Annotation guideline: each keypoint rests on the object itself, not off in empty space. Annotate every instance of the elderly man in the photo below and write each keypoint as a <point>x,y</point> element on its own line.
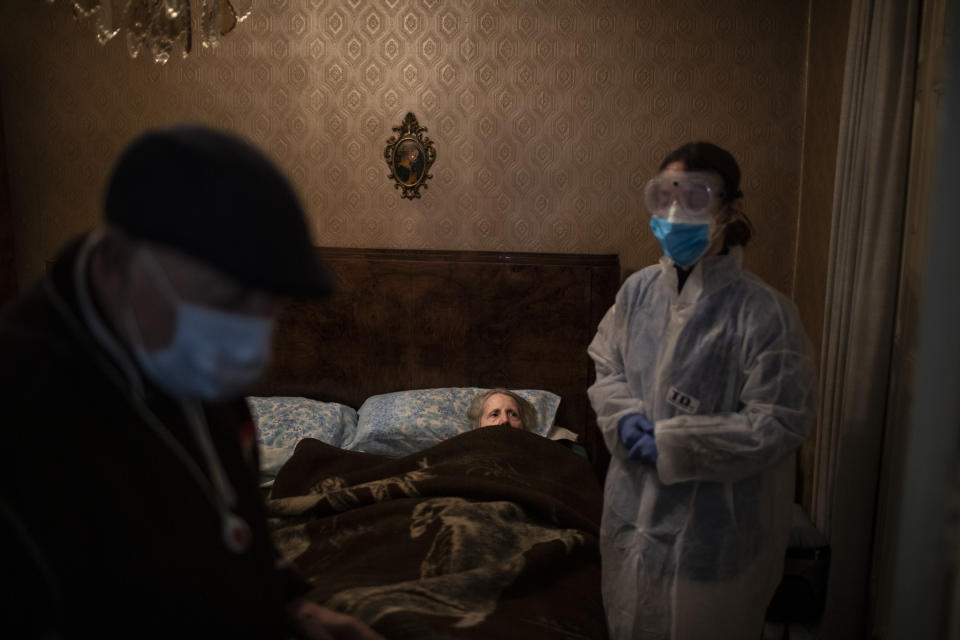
<point>129,501</point>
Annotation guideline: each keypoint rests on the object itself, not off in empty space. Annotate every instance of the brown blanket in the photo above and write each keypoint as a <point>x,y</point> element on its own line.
<point>491,534</point>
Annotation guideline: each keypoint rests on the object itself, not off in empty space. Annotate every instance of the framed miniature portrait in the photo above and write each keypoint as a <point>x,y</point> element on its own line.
<point>409,155</point>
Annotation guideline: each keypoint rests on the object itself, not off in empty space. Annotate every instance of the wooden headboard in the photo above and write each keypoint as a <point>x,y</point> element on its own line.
<point>412,319</point>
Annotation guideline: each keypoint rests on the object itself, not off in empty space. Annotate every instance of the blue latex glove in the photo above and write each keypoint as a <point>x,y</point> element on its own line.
<point>644,450</point>
<point>636,434</point>
<point>631,426</point>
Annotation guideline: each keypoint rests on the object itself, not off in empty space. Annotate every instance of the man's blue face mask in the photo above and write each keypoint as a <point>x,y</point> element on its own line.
<point>213,354</point>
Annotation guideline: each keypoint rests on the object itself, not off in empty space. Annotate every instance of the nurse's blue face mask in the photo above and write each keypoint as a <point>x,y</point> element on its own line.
<point>213,354</point>
<point>683,243</point>
<point>683,205</point>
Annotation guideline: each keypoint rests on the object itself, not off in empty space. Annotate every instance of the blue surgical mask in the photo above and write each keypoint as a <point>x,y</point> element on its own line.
<point>213,354</point>
<point>682,242</point>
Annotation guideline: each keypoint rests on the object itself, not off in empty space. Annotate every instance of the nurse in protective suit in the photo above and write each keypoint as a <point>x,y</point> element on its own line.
<point>704,391</point>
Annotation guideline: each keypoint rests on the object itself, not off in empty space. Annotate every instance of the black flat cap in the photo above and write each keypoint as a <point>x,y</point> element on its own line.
<point>217,199</point>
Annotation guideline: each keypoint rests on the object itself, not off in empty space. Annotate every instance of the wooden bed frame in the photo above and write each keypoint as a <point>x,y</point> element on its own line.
<point>415,319</point>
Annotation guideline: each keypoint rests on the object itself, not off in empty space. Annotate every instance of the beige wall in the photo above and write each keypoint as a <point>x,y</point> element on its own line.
<point>548,117</point>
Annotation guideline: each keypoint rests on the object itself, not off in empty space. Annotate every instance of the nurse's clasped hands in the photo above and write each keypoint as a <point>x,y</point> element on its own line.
<point>636,434</point>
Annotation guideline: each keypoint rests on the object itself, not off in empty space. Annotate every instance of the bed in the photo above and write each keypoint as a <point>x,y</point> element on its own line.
<point>377,490</point>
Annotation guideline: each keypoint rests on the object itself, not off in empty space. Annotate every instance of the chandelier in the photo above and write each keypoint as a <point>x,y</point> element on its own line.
<point>161,27</point>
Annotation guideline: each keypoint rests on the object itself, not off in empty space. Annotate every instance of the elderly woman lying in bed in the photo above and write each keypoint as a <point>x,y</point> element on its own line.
<point>491,533</point>
<point>503,408</point>
<point>500,407</point>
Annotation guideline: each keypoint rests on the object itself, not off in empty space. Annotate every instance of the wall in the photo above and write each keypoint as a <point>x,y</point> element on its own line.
<point>548,117</point>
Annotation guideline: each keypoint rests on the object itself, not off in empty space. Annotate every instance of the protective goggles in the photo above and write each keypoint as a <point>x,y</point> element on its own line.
<point>684,196</point>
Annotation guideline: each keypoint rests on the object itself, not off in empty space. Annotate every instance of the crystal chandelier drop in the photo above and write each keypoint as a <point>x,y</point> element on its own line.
<point>161,27</point>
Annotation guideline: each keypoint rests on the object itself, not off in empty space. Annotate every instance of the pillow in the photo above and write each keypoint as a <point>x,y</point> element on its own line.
<point>400,423</point>
<point>561,433</point>
<point>283,421</point>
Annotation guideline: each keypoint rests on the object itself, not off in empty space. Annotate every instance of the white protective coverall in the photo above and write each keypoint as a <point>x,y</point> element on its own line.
<point>694,547</point>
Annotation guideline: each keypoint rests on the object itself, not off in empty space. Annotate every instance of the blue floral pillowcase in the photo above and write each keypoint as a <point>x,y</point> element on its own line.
<point>282,422</point>
<point>401,423</point>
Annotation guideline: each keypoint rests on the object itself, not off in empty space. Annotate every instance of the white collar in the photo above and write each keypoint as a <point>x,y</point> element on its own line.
<point>709,274</point>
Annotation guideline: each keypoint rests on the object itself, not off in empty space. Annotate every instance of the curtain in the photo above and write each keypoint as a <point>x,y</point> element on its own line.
<point>8,272</point>
<point>864,260</point>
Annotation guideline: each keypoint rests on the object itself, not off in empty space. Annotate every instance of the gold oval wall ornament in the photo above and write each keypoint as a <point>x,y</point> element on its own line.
<point>409,156</point>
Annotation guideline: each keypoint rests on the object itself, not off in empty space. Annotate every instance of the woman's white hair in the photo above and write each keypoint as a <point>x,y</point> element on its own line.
<point>528,413</point>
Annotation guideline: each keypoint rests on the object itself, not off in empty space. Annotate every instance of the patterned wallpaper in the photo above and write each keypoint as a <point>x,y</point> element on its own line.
<point>548,116</point>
